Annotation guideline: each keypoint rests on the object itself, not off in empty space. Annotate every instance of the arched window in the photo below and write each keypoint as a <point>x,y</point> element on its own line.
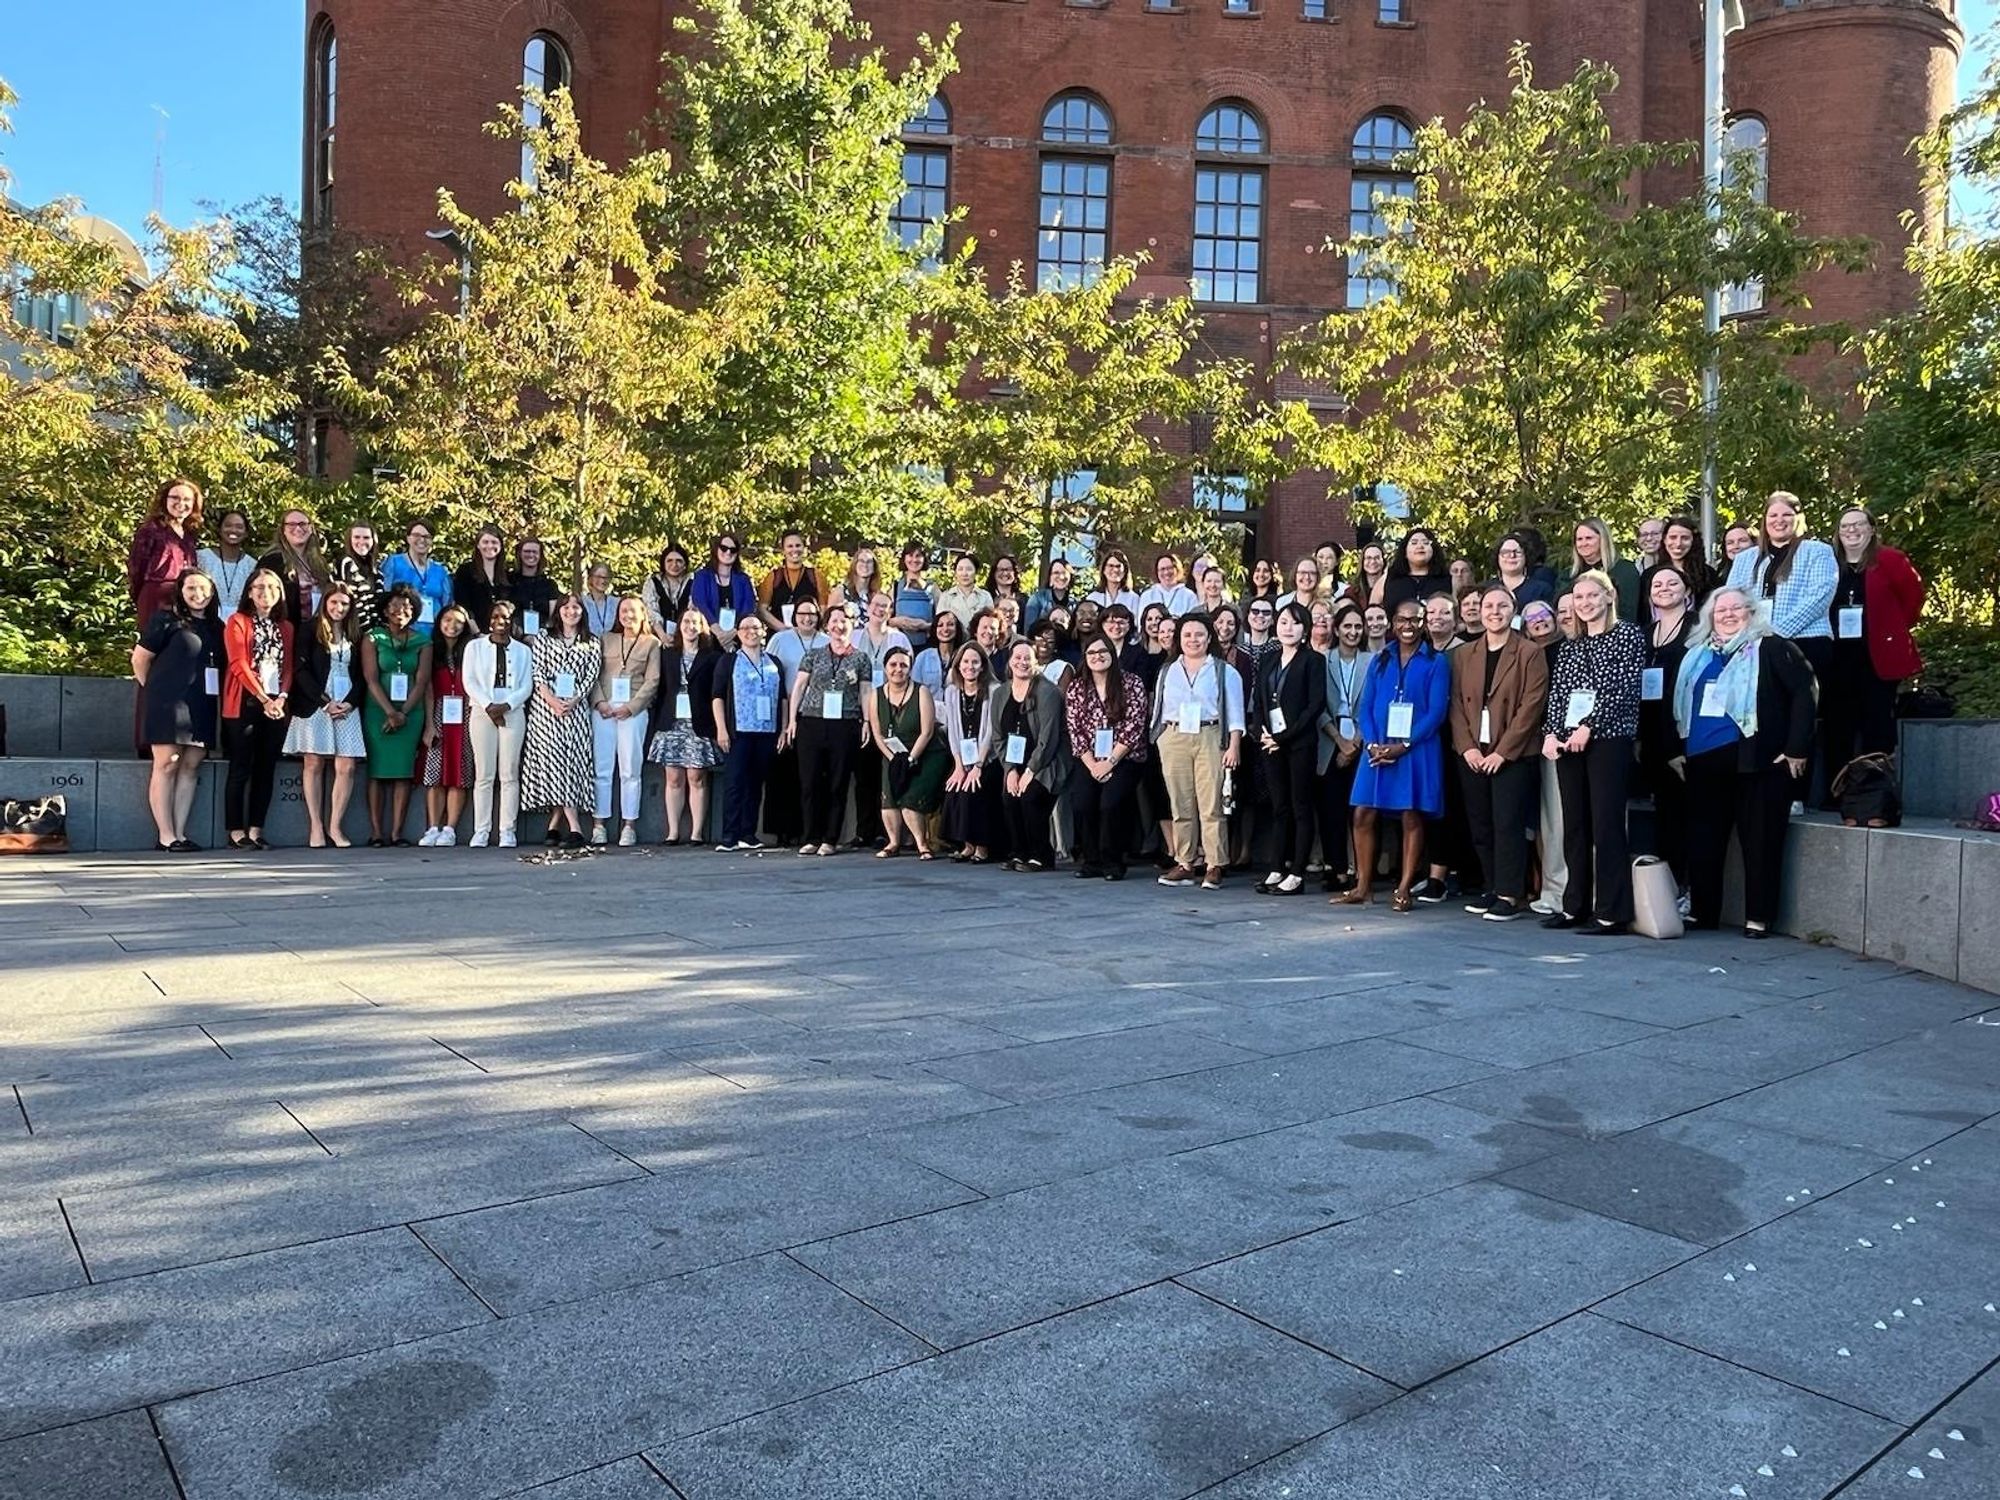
<point>1382,144</point>
<point>1075,215</point>
<point>1746,153</point>
<point>926,177</point>
<point>1228,207</point>
<point>1076,120</point>
<point>545,68</point>
<point>320,121</point>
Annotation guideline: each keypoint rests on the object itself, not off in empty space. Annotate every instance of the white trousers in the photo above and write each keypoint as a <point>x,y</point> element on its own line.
<point>1555,870</point>
<point>496,756</point>
<point>620,743</point>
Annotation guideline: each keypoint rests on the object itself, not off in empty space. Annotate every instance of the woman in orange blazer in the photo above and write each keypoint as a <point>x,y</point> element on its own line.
<point>1499,688</point>
<point>258,643</point>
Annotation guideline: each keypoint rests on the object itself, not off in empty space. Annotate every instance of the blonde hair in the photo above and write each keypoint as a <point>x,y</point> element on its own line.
<point>1607,550</point>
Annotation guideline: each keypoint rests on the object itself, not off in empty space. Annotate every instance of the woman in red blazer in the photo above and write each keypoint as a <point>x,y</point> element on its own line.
<point>1875,609</point>
<point>258,642</point>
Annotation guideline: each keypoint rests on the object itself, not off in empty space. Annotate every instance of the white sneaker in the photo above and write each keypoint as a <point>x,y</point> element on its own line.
<point>447,838</point>
<point>627,836</point>
<point>508,841</point>
<point>597,835</point>
<point>1546,907</point>
<point>480,839</point>
<point>430,837</point>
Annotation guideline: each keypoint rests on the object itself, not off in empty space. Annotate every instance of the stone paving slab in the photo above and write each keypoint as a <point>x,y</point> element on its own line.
<point>1153,1394</point>
<point>499,1408</point>
<point>1859,1103</point>
<point>628,1479</point>
<point>112,1457</point>
<point>36,1254</point>
<point>1595,1095</point>
<point>983,1268</point>
<point>1413,1292</point>
<point>130,1231</point>
<point>1527,1036</point>
<point>1328,1020</point>
<point>1880,1252</point>
<point>1045,1070</point>
<point>1703,1177</point>
<point>94,1350</point>
<point>1093,1011</point>
<point>1762,1047</point>
<point>527,1032</point>
<point>1955,1455</point>
<point>1587,1408</point>
<point>756,1062</point>
<point>104,1152</point>
<point>1334,1080</point>
<point>574,1245</point>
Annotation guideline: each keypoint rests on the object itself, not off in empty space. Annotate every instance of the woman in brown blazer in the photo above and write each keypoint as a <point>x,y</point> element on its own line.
<point>1499,689</point>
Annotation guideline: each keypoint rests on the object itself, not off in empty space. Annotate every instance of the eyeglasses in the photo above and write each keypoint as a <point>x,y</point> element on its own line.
<point>728,548</point>
<point>298,525</point>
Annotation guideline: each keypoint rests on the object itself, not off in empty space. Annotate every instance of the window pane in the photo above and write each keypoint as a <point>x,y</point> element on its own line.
<point>935,119</point>
<point>1382,138</point>
<point>1074,213</point>
<point>1229,127</point>
<point>1226,235</point>
<point>1077,119</point>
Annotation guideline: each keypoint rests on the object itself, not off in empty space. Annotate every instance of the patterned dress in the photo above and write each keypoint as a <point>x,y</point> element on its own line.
<point>320,733</point>
<point>556,764</point>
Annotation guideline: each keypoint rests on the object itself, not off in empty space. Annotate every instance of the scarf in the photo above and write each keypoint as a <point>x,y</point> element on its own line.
<point>1737,684</point>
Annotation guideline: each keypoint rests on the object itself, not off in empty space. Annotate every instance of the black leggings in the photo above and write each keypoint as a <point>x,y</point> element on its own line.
<point>1101,812</point>
<point>1288,777</point>
<point>827,748</point>
<point>1757,806</point>
<point>1500,809</point>
<point>1596,784</point>
<point>1336,818</point>
<point>253,743</point>
<point>1027,818</point>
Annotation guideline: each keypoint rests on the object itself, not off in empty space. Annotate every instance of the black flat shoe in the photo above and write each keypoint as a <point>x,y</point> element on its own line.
<point>1757,934</point>
<point>378,843</point>
<point>1603,929</point>
<point>259,845</point>
<point>238,841</point>
<point>1115,873</point>
<point>161,848</point>
<point>184,846</point>
<point>1560,922</point>
<point>400,843</point>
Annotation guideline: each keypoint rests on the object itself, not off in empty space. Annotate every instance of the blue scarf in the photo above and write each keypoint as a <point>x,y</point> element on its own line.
<point>1737,684</point>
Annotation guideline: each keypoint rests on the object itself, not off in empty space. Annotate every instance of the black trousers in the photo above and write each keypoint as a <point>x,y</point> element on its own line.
<point>1101,814</point>
<point>828,749</point>
<point>253,743</point>
<point>868,796</point>
<point>784,814</point>
<point>1288,778</point>
<point>1670,810</point>
<point>1811,787</point>
<point>1500,810</point>
<point>1027,820</point>
<point>1857,710</point>
<point>1448,837</point>
<point>749,762</point>
<point>1331,805</point>
<point>1755,805</point>
<point>1595,787</point>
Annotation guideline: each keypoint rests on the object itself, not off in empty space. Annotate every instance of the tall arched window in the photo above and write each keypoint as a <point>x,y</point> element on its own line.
<point>926,176</point>
<point>1382,145</point>
<point>1228,206</point>
<point>1746,164</point>
<point>320,107</point>
<point>545,67</point>
<point>1075,216</point>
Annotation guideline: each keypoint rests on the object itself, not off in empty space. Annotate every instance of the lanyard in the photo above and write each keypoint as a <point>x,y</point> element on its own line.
<point>1348,675</point>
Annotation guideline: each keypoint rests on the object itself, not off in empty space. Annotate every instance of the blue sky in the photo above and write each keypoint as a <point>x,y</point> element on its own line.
<point>228,73</point>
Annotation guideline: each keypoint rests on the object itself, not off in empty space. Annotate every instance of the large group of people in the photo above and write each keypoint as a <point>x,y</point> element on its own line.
<point>1450,726</point>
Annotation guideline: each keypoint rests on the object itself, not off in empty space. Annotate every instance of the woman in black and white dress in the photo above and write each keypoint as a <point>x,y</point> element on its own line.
<point>557,771</point>
<point>326,704</point>
<point>684,725</point>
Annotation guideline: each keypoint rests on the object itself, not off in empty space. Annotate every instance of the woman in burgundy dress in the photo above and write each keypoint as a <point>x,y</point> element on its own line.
<point>163,548</point>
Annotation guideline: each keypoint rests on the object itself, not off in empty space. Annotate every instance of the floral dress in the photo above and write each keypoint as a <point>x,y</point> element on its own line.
<point>556,761</point>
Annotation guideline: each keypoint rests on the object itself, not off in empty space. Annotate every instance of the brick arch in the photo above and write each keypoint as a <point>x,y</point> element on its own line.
<point>530,16</point>
<point>1282,130</point>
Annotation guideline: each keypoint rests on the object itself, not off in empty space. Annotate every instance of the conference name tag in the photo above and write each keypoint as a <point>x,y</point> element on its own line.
<point>895,746</point>
<point>1850,624</point>
<point>1653,684</point>
<point>451,709</point>
<point>338,683</point>
<point>399,686</point>
<point>1402,720</point>
<point>785,613</point>
<point>270,679</point>
<point>531,622</point>
<point>428,612</point>
<point>1711,701</point>
<point>683,708</point>
<point>1485,726</point>
<point>1581,702</point>
<point>968,752</point>
<point>1277,720</point>
<point>831,702</point>
<point>565,684</point>
<point>1190,717</point>
<point>621,690</point>
<point>1100,744</point>
<point>881,672</point>
<point>1345,727</point>
<point>1017,749</point>
<point>211,681</point>
<point>725,619</point>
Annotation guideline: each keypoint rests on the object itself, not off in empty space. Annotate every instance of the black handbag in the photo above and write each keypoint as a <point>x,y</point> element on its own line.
<point>39,827</point>
<point>1867,793</point>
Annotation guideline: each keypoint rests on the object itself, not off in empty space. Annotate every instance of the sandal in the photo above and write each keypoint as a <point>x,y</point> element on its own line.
<point>889,851</point>
<point>1352,898</point>
<point>1402,901</point>
<point>925,854</point>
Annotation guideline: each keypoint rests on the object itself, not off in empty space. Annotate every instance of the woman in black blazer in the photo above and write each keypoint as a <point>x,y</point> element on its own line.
<point>682,734</point>
<point>1287,702</point>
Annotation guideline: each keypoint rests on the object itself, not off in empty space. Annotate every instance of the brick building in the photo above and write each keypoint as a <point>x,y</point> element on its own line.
<point>1228,139</point>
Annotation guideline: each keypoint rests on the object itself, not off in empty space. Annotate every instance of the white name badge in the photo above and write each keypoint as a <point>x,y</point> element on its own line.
<point>895,746</point>
<point>1277,720</point>
<point>399,686</point>
<point>881,674</point>
<point>1017,749</point>
<point>531,622</point>
<point>428,612</point>
<point>725,619</point>
<point>211,678</point>
<point>1485,726</point>
<point>1653,684</point>
<point>968,752</point>
<point>565,684</point>
<point>785,613</point>
<point>1345,728</point>
<point>1101,744</point>
<point>338,684</point>
<point>1711,701</point>
<point>451,709</point>
<point>1850,624</point>
<point>621,690</point>
<point>1190,717</point>
<point>270,679</point>
<point>683,708</point>
<point>1402,720</point>
<point>1581,702</point>
<point>317,594</point>
<point>831,702</point>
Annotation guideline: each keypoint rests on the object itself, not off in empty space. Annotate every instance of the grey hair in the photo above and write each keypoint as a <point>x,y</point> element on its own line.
<point>1756,627</point>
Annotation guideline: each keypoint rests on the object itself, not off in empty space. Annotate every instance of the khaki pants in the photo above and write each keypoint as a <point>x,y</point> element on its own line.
<point>1191,765</point>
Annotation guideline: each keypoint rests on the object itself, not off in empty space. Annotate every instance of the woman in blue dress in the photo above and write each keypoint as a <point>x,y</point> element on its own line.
<point>1404,703</point>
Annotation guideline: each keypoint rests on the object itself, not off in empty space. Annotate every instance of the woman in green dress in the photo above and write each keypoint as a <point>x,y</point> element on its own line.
<point>902,728</point>
<point>396,667</point>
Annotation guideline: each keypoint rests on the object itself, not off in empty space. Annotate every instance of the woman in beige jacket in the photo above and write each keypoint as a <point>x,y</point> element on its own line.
<point>619,705</point>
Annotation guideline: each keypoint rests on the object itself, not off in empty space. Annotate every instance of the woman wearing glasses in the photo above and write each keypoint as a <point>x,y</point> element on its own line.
<point>722,590</point>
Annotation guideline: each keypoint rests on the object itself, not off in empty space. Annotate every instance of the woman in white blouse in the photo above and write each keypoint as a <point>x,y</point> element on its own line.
<point>1198,731</point>
<point>499,677</point>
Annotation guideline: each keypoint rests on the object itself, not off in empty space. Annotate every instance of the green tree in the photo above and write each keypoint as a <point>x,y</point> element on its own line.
<point>95,414</point>
<point>534,399</point>
<point>1084,378</point>
<point>1538,357</point>
<point>785,128</point>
